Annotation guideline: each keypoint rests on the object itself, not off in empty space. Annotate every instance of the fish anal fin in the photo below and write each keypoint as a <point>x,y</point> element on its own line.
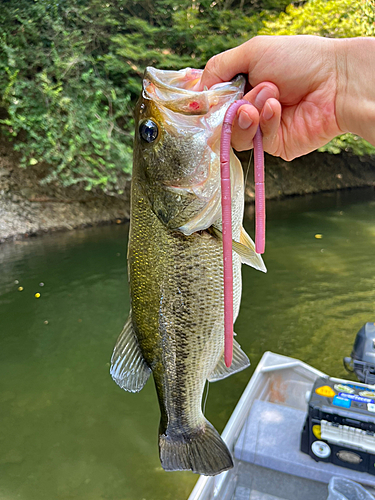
<point>200,450</point>
<point>240,362</point>
<point>128,367</point>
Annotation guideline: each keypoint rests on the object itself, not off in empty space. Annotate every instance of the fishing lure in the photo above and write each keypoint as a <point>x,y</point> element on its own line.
<point>226,206</point>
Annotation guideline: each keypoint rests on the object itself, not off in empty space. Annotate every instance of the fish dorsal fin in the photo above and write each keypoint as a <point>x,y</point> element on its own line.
<point>245,248</point>
<point>240,362</point>
<point>128,367</point>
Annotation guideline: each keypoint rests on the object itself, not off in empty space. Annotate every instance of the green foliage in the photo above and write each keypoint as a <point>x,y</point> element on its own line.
<point>329,18</point>
<point>71,70</point>
<point>349,143</point>
<point>62,108</point>
<point>367,17</point>
<point>334,19</point>
<point>70,73</point>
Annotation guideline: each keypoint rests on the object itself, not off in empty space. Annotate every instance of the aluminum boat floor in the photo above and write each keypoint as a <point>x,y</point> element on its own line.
<point>271,438</point>
<point>243,493</point>
<point>254,482</point>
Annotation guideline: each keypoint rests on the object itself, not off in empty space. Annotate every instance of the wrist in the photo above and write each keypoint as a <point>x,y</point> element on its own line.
<point>355,96</point>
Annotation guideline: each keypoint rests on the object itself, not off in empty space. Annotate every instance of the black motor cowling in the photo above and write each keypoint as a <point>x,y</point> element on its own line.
<point>362,358</point>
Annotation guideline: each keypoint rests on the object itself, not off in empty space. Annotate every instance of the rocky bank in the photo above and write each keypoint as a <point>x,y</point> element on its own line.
<point>27,208</point>
<point>313,173</point>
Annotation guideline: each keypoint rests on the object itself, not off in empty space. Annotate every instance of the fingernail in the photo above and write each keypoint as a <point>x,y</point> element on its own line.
<point>244,120</point>
<point>261,98</point>
<point>267,112</point>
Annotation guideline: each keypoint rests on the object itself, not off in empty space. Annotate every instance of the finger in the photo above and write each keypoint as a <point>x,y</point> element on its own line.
<point>270,118</point>
<point>223,67</point>
<point>261,93</point>
<point>244,127</point>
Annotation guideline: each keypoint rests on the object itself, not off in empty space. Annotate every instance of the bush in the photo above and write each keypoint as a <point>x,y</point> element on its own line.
<point>62,107</point>
<point>71,70</point>
<point>70,73</point>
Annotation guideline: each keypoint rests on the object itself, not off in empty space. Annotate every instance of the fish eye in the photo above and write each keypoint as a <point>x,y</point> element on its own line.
<point>148,131</point>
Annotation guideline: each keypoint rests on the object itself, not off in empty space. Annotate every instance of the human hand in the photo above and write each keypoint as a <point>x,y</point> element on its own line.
<point>295,80</point>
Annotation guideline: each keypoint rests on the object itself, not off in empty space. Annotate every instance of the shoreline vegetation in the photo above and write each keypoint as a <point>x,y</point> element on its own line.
<point>70,75</point>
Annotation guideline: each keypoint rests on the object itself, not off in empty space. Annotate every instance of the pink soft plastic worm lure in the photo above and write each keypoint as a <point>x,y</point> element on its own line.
<point>226,206</point>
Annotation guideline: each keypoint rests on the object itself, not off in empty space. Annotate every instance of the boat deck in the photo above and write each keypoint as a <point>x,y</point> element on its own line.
<point>271,438</point>
<point>264,434</point>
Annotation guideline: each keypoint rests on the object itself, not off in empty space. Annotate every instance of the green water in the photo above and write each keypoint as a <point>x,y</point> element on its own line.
<point>68,432</point>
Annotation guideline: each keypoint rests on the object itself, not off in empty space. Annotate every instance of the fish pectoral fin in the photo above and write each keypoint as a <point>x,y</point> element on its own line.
<point>249,256</point>
<point>128,367</point>
<point>245,248</point>
<point>240,362</point>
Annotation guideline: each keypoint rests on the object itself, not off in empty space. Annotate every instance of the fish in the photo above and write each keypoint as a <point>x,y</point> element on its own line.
<point>175,328</point>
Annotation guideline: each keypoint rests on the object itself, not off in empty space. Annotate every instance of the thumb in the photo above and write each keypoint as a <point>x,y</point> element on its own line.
<point>223,67</point>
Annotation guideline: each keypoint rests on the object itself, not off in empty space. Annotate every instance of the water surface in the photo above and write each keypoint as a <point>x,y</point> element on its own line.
<point>68,432</point>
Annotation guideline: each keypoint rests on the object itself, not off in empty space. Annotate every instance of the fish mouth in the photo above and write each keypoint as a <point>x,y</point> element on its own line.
<point>175,90</point>
<point>190,122</point>
<point>186,112</point>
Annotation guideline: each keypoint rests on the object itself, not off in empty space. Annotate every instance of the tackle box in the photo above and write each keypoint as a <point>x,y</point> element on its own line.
<point>340,424</point>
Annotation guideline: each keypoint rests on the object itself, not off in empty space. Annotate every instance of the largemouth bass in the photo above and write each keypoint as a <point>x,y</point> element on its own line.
<point>175,328</point>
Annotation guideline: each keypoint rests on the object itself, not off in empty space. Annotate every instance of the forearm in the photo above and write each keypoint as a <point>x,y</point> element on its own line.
<point>355,99</point>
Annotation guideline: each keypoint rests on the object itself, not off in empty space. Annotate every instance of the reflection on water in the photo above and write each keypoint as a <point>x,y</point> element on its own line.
<point>67,431</point>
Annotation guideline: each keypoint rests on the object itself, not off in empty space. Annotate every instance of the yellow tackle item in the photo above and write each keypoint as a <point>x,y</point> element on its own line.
<point>325,391</point>
<point>317,431</point>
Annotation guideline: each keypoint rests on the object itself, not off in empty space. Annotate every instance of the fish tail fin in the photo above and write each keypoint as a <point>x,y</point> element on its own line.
<point>202,451</point>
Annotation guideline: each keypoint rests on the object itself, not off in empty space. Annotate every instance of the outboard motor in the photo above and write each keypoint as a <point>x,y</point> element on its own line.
<point>362,359</point>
